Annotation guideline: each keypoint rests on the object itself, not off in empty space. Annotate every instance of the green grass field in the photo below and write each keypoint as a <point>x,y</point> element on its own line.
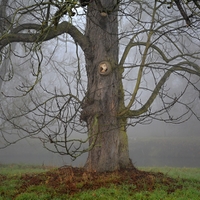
<point>186,186</point>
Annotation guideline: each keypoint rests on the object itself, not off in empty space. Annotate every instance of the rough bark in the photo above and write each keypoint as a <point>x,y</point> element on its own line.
<point>105,93</point>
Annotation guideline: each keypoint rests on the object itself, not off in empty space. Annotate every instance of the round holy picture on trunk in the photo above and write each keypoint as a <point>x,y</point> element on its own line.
<point>104,68</point>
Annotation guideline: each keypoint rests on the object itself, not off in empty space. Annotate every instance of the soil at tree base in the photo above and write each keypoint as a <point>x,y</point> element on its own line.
<point>70,180</point>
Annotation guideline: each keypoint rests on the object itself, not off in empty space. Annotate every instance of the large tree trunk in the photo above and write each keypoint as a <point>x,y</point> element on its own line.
<point>105,93</point>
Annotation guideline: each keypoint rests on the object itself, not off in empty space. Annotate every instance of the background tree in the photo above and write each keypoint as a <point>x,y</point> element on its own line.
<point>136,53</point>
<point>4,21</point>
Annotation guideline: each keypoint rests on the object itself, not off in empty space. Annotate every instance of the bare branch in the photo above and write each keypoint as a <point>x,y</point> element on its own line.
<point>50,33</point>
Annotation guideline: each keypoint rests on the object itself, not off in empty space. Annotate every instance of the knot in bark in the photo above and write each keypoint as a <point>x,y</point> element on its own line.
<point>90,110</point>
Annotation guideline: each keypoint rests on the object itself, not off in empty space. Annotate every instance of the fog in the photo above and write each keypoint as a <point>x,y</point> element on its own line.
<point>31,151</point>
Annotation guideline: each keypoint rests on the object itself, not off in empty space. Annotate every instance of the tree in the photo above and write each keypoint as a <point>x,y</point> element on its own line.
<point>135,53</point>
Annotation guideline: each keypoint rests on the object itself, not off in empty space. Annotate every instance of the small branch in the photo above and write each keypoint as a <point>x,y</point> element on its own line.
<point>183,13</point>
<point>133,113</point>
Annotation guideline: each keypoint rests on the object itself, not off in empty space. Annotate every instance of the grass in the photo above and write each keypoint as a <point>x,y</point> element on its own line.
<point>19,169</point>
<point>183,173</point>
<point>185,187</point>
<point>188,177</point>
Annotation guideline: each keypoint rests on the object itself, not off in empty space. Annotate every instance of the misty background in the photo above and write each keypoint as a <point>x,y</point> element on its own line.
<point>155,144</point>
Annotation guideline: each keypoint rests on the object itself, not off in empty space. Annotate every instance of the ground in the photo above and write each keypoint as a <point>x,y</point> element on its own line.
<point>70,180</point>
